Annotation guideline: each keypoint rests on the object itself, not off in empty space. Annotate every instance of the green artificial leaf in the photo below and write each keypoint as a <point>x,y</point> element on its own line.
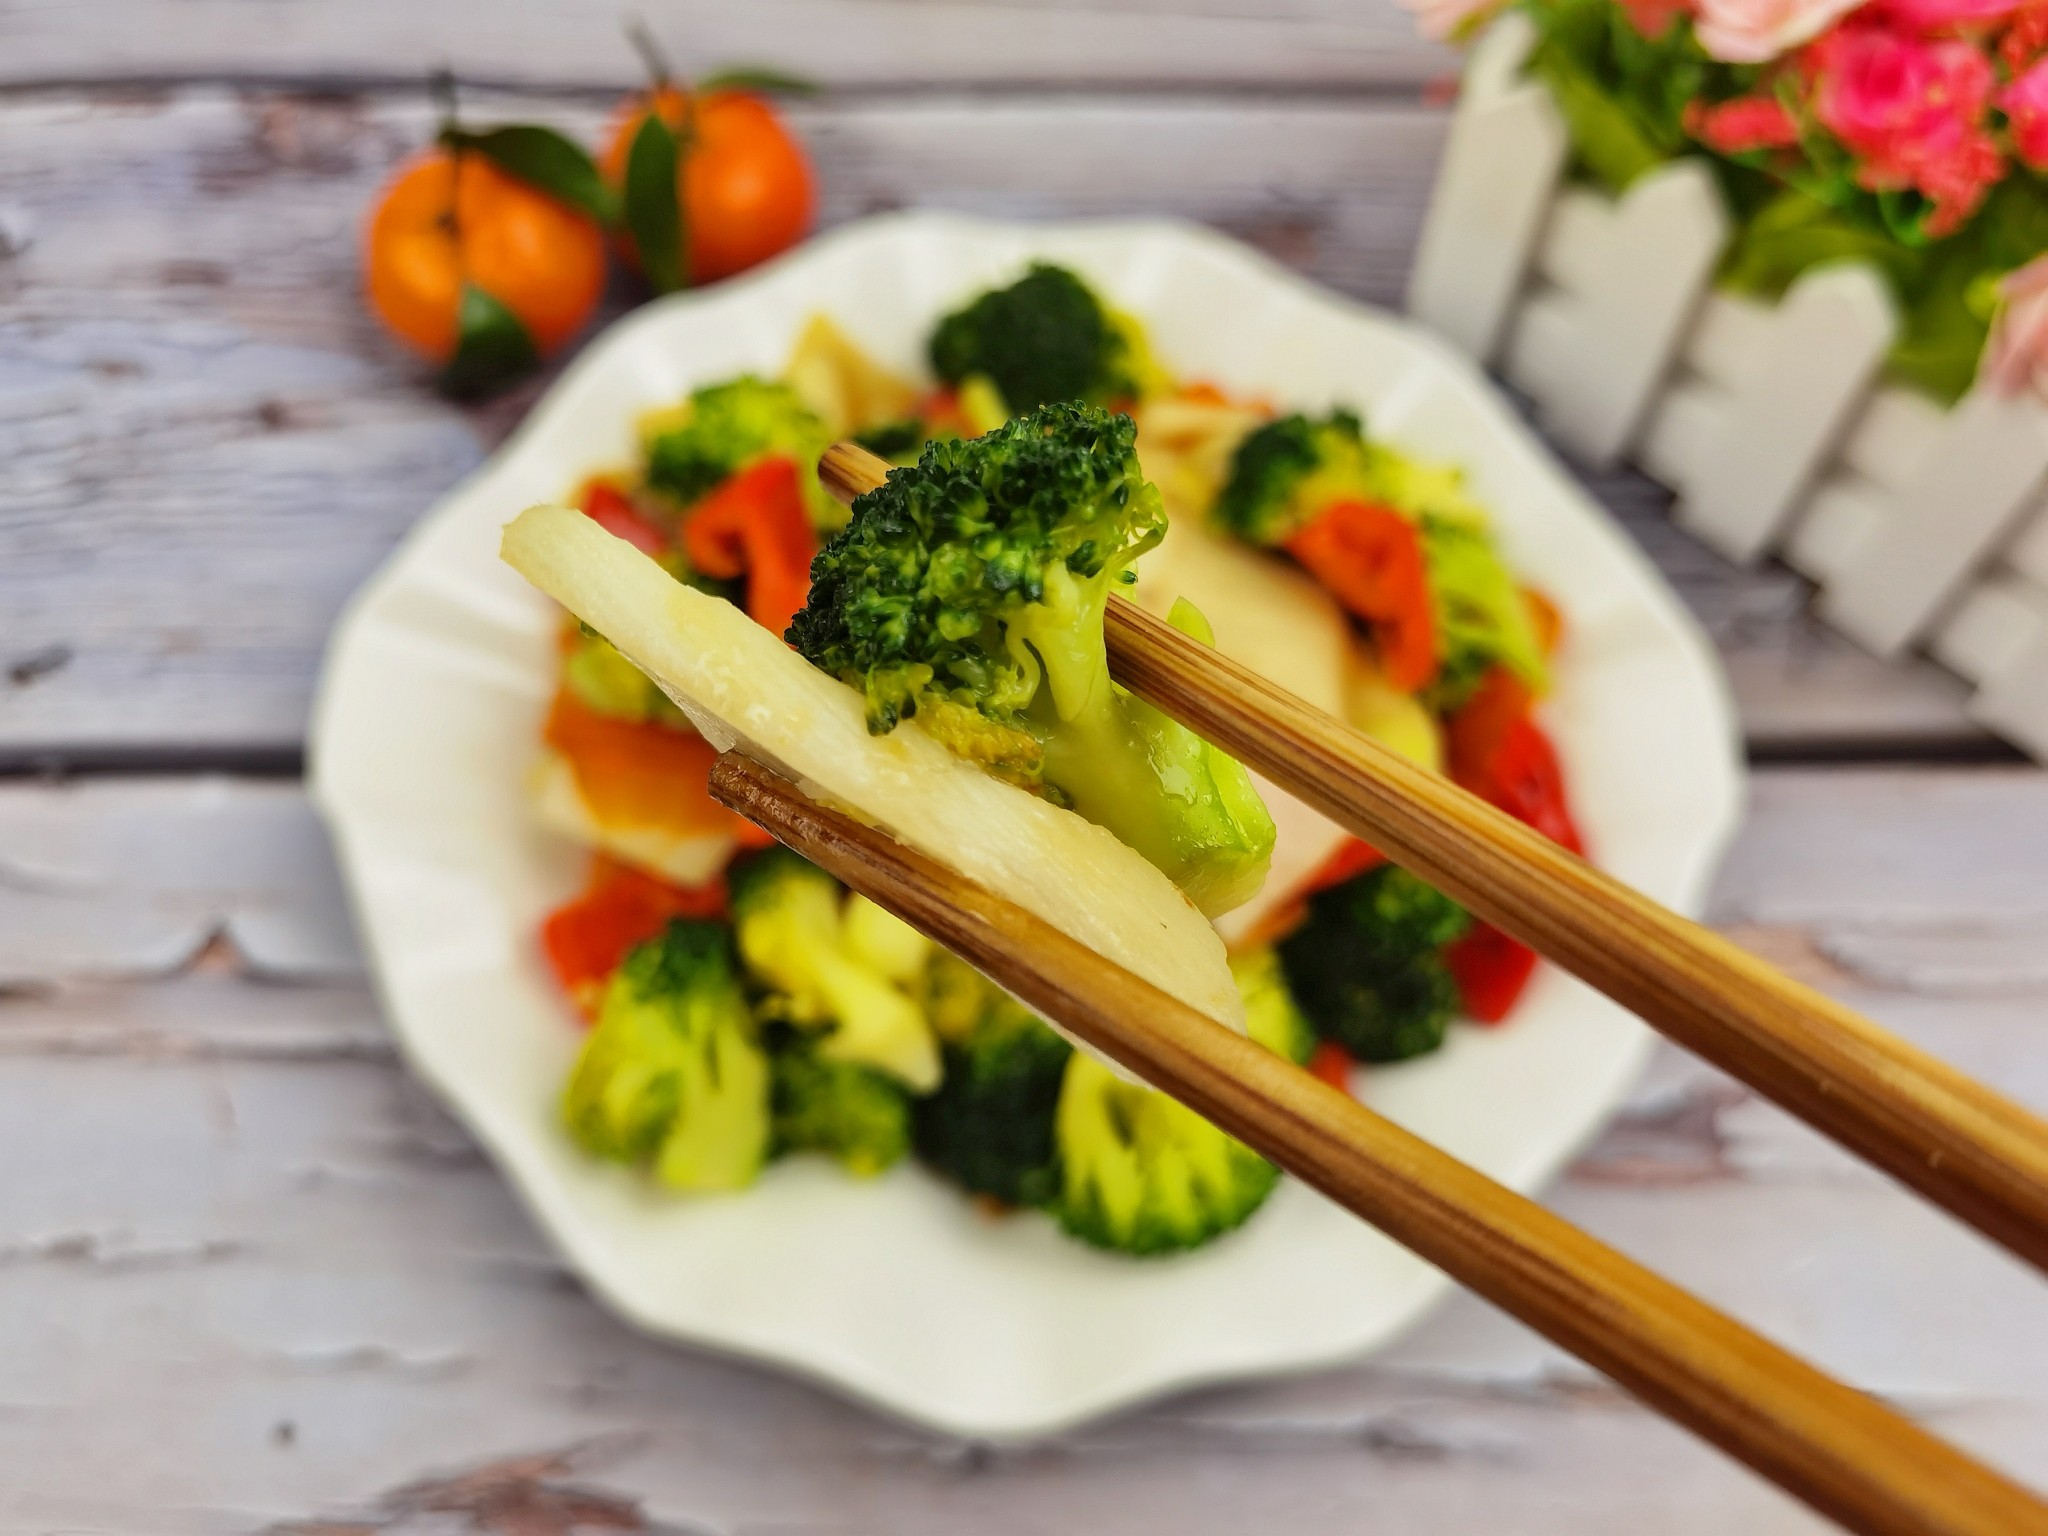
<point>546,160</point>
<point>1609,143</point>
<point>491,347</point>
<point>1940,336</point>
<point>1794,233</point>
<point>653,205</point>
<point>750,77</point>
<point>1948,309</point>
<point>2012,227</point>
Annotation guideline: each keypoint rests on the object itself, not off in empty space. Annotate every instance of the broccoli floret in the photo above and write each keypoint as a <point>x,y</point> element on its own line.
<point>1271,1015</point>
<point>845,1110</point>
<point>989,1128</point>
<point>1143,1174</point>
<point>789,921</point>
<point>1366,964</point>
<point>604,681</point>
<point>970,590</point>
<point>1044,338</point>
<point>672,1075</point>
<point>1481,616</point>
<point>897,441</point>
<point>723,428</point>
<point>1287,470</point>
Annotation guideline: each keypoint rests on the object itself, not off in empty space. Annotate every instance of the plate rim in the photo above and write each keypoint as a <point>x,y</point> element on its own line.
<point>1704,853</point>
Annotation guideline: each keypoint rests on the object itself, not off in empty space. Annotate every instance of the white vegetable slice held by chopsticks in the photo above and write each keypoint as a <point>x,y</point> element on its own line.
<point>744,688</point>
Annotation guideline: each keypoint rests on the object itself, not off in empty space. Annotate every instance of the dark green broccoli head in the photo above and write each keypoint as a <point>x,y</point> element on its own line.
<point>672,1075</point>
<point>1044,338</point>
<point>989,1128</point>
<point>724,428</point>
<point>896,441</point>
<point>970,590</point>
<point>1142,1174</point>
<point>927,593</point>
<point>847,1111</point>
<point>1286,470</point>
<point>1366,964</point>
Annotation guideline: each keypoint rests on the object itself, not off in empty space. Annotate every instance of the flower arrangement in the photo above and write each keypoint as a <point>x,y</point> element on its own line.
<point>1911,134</point>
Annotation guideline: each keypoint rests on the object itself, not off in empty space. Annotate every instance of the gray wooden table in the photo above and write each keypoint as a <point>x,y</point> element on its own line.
<point>251,1277</point>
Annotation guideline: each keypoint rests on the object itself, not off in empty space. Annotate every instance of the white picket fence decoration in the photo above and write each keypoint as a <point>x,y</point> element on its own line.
<point>1922,526</point>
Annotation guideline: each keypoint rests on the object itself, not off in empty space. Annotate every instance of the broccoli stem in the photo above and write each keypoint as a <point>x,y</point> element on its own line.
<point>1188,809</point>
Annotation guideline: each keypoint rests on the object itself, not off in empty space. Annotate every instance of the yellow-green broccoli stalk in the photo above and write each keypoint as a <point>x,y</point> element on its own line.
<point>790,920</point>
<point>671,1075</point>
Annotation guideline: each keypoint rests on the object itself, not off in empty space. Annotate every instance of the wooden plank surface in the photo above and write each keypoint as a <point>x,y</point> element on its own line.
<point>1343,45</point>
<point>250,1274</point>
<point>205,444</point>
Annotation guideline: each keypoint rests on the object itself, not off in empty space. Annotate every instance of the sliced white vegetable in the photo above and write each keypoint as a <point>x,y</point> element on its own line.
<point>681,858</point>
<point>743,687</point>
<point>1267,615</point>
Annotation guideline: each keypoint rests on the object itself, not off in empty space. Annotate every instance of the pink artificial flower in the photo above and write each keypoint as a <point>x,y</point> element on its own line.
<point>2016,353</point>
<point>1442,20</point>
<point>2025,104</point>
<point>1912,111</point>
<point>1744,124</point>
<point>1937,15</point>
<point>1757,31</point>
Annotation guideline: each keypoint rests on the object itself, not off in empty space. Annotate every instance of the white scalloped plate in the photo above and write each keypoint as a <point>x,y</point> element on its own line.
<point>896,1290</point>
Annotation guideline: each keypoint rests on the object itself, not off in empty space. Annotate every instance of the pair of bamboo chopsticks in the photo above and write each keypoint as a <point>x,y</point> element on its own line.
<point>1976,1154</point>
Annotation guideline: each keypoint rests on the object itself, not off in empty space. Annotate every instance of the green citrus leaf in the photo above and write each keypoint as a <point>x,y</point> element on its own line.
<point>751,77</point>
<point>653,208</point>
<point>491,347</point>
<point>546,160</point>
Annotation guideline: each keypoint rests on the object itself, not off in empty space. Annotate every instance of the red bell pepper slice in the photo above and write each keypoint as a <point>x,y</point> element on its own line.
<point>754,524</point>
<point>1499,752</point>
<point>1351,859</point>
<point>1491,970</point>
<point>1332,1063</point>
<point>1370,558</point>
<point>613,511</point>
<point>586,938</point>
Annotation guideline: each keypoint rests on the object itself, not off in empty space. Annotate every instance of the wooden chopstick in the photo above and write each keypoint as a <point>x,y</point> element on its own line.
<point>1839,1450</point>
<point>1969,1150</point>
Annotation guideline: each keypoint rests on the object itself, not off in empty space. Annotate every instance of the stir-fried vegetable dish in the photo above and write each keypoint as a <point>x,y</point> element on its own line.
<point>743,1007</point>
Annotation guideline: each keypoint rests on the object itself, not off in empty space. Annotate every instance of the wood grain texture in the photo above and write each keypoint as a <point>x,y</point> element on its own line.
<point>1836,1449</point>
<point>1334,44</point>
<point>232,1196</point>
<point>1972,1151</point>
<point>205,445</point>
